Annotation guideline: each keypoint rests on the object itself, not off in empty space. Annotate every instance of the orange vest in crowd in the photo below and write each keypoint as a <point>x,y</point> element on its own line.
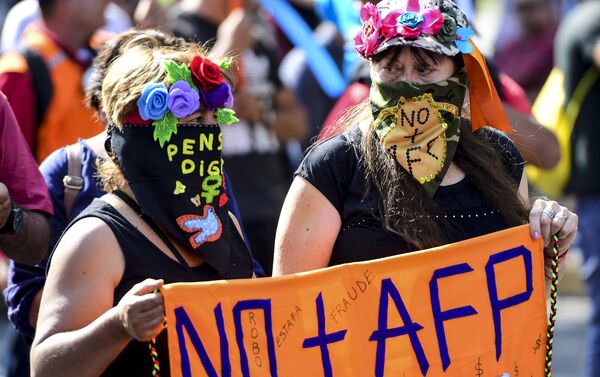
<point>67,118</point>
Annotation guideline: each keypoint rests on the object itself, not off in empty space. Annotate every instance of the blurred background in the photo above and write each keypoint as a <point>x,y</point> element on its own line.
<point>284,104</point>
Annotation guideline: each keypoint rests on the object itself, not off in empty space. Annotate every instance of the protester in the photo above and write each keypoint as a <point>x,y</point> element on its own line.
<point>269,113</point>
<point>118,16</point>
<point>578,58</point>
<point>411,171</point>
<point>538,145</point>
<point>44,83</point>
<point>75,165</point>
<point>165,218</point>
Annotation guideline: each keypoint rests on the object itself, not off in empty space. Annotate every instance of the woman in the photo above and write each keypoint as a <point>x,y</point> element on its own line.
<point>417,168</point>
<point>164,220</point>
<point>79,161</point>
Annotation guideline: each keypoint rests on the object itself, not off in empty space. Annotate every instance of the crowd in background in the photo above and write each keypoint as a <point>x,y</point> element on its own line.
<point>282,106</point>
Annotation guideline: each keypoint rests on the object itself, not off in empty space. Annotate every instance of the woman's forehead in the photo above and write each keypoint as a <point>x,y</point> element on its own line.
<point>412,55</point>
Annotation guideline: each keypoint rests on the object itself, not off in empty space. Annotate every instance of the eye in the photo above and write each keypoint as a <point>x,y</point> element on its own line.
<point>425,70</point>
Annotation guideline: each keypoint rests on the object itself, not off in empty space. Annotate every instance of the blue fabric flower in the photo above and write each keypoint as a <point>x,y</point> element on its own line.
<point>411,19</point>
<point>463,35</point>
<point>183,99</point>
<point>153,102</point>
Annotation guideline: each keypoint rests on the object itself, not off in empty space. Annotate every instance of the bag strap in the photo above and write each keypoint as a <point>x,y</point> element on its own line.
<point>41,80</point>
<point>73,181</point>
<point>583,87</point>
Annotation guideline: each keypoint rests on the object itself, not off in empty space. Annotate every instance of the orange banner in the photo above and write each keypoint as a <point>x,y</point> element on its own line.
<point>474,308</point>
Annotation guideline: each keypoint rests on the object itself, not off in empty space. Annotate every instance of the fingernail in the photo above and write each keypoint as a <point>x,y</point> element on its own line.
<point>536,235</point>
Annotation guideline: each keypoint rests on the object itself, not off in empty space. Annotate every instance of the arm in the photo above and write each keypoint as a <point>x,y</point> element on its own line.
<point>77,310</point>
<point>21,183</point>
<point>29,244</point>
<point>233,35</point>
<point>308,227</point>
<point>25,286</point>
<point>538,145</point>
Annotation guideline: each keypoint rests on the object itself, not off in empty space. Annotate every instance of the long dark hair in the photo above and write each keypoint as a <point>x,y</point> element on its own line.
<point>406,209</point>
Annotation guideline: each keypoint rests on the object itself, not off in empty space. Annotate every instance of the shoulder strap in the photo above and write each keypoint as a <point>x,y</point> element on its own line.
<point>159,232</point>
<point>41,80</point>
<point>73,181</point>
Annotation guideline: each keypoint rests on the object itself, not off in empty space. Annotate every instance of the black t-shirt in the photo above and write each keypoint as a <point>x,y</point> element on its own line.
<point>334,168</point>
<point>575,42</point>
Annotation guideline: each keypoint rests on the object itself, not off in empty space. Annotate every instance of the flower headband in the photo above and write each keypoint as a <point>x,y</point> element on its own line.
<point>202,85</point>
<point>439,26</point>
<point>436,25</point>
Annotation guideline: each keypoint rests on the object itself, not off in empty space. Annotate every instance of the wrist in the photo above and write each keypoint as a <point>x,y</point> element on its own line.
<point>116,324</point>
<point>14,221</point>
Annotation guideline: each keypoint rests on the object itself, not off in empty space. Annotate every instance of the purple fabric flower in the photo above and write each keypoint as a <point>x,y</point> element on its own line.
<point>218,98</point>
<point>152,104</point>
<point>183,100</point>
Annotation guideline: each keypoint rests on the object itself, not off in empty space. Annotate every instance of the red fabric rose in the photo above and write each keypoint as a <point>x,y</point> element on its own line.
<point>206,74</point>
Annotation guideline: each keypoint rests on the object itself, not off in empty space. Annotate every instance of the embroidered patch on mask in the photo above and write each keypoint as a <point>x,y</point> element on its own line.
<point>179,188</point>
<point>223,200</point>
<point>206,228</point>
<point>415,135</point>
<point>197,200</point>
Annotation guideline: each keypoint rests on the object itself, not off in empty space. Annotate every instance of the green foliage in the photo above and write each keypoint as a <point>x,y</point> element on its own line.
<point>179,72</point>
<point>226,116</point>
<point>164,128</point>
<point>225,63</point>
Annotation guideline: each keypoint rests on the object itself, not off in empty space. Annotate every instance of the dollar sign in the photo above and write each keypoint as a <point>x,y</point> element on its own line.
<point>516,370</point>
<point>478,368</point>
<point>538,344</point>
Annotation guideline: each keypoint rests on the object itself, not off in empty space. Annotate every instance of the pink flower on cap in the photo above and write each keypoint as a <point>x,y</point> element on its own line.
<point>412,22</point>
<point>367,38</point>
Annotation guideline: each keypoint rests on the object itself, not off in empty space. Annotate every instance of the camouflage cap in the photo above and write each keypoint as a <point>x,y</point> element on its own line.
<point>436,25</point>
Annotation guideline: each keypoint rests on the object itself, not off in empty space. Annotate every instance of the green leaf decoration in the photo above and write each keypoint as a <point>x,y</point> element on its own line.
<point>226,116</point>
<point>164,128</point>
<point>226,63</point>
<point>178,72</point>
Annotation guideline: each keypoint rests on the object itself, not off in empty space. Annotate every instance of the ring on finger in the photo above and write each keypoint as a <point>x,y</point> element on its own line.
<point>550,212</point>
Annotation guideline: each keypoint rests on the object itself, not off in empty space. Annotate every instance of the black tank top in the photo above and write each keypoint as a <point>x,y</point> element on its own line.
<point>145,260</point>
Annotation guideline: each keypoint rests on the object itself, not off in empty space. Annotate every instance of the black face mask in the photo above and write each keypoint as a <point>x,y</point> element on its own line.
<point>181,186</point>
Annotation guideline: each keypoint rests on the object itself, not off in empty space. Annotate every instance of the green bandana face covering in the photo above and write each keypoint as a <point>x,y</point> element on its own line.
<point>419,125</point>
